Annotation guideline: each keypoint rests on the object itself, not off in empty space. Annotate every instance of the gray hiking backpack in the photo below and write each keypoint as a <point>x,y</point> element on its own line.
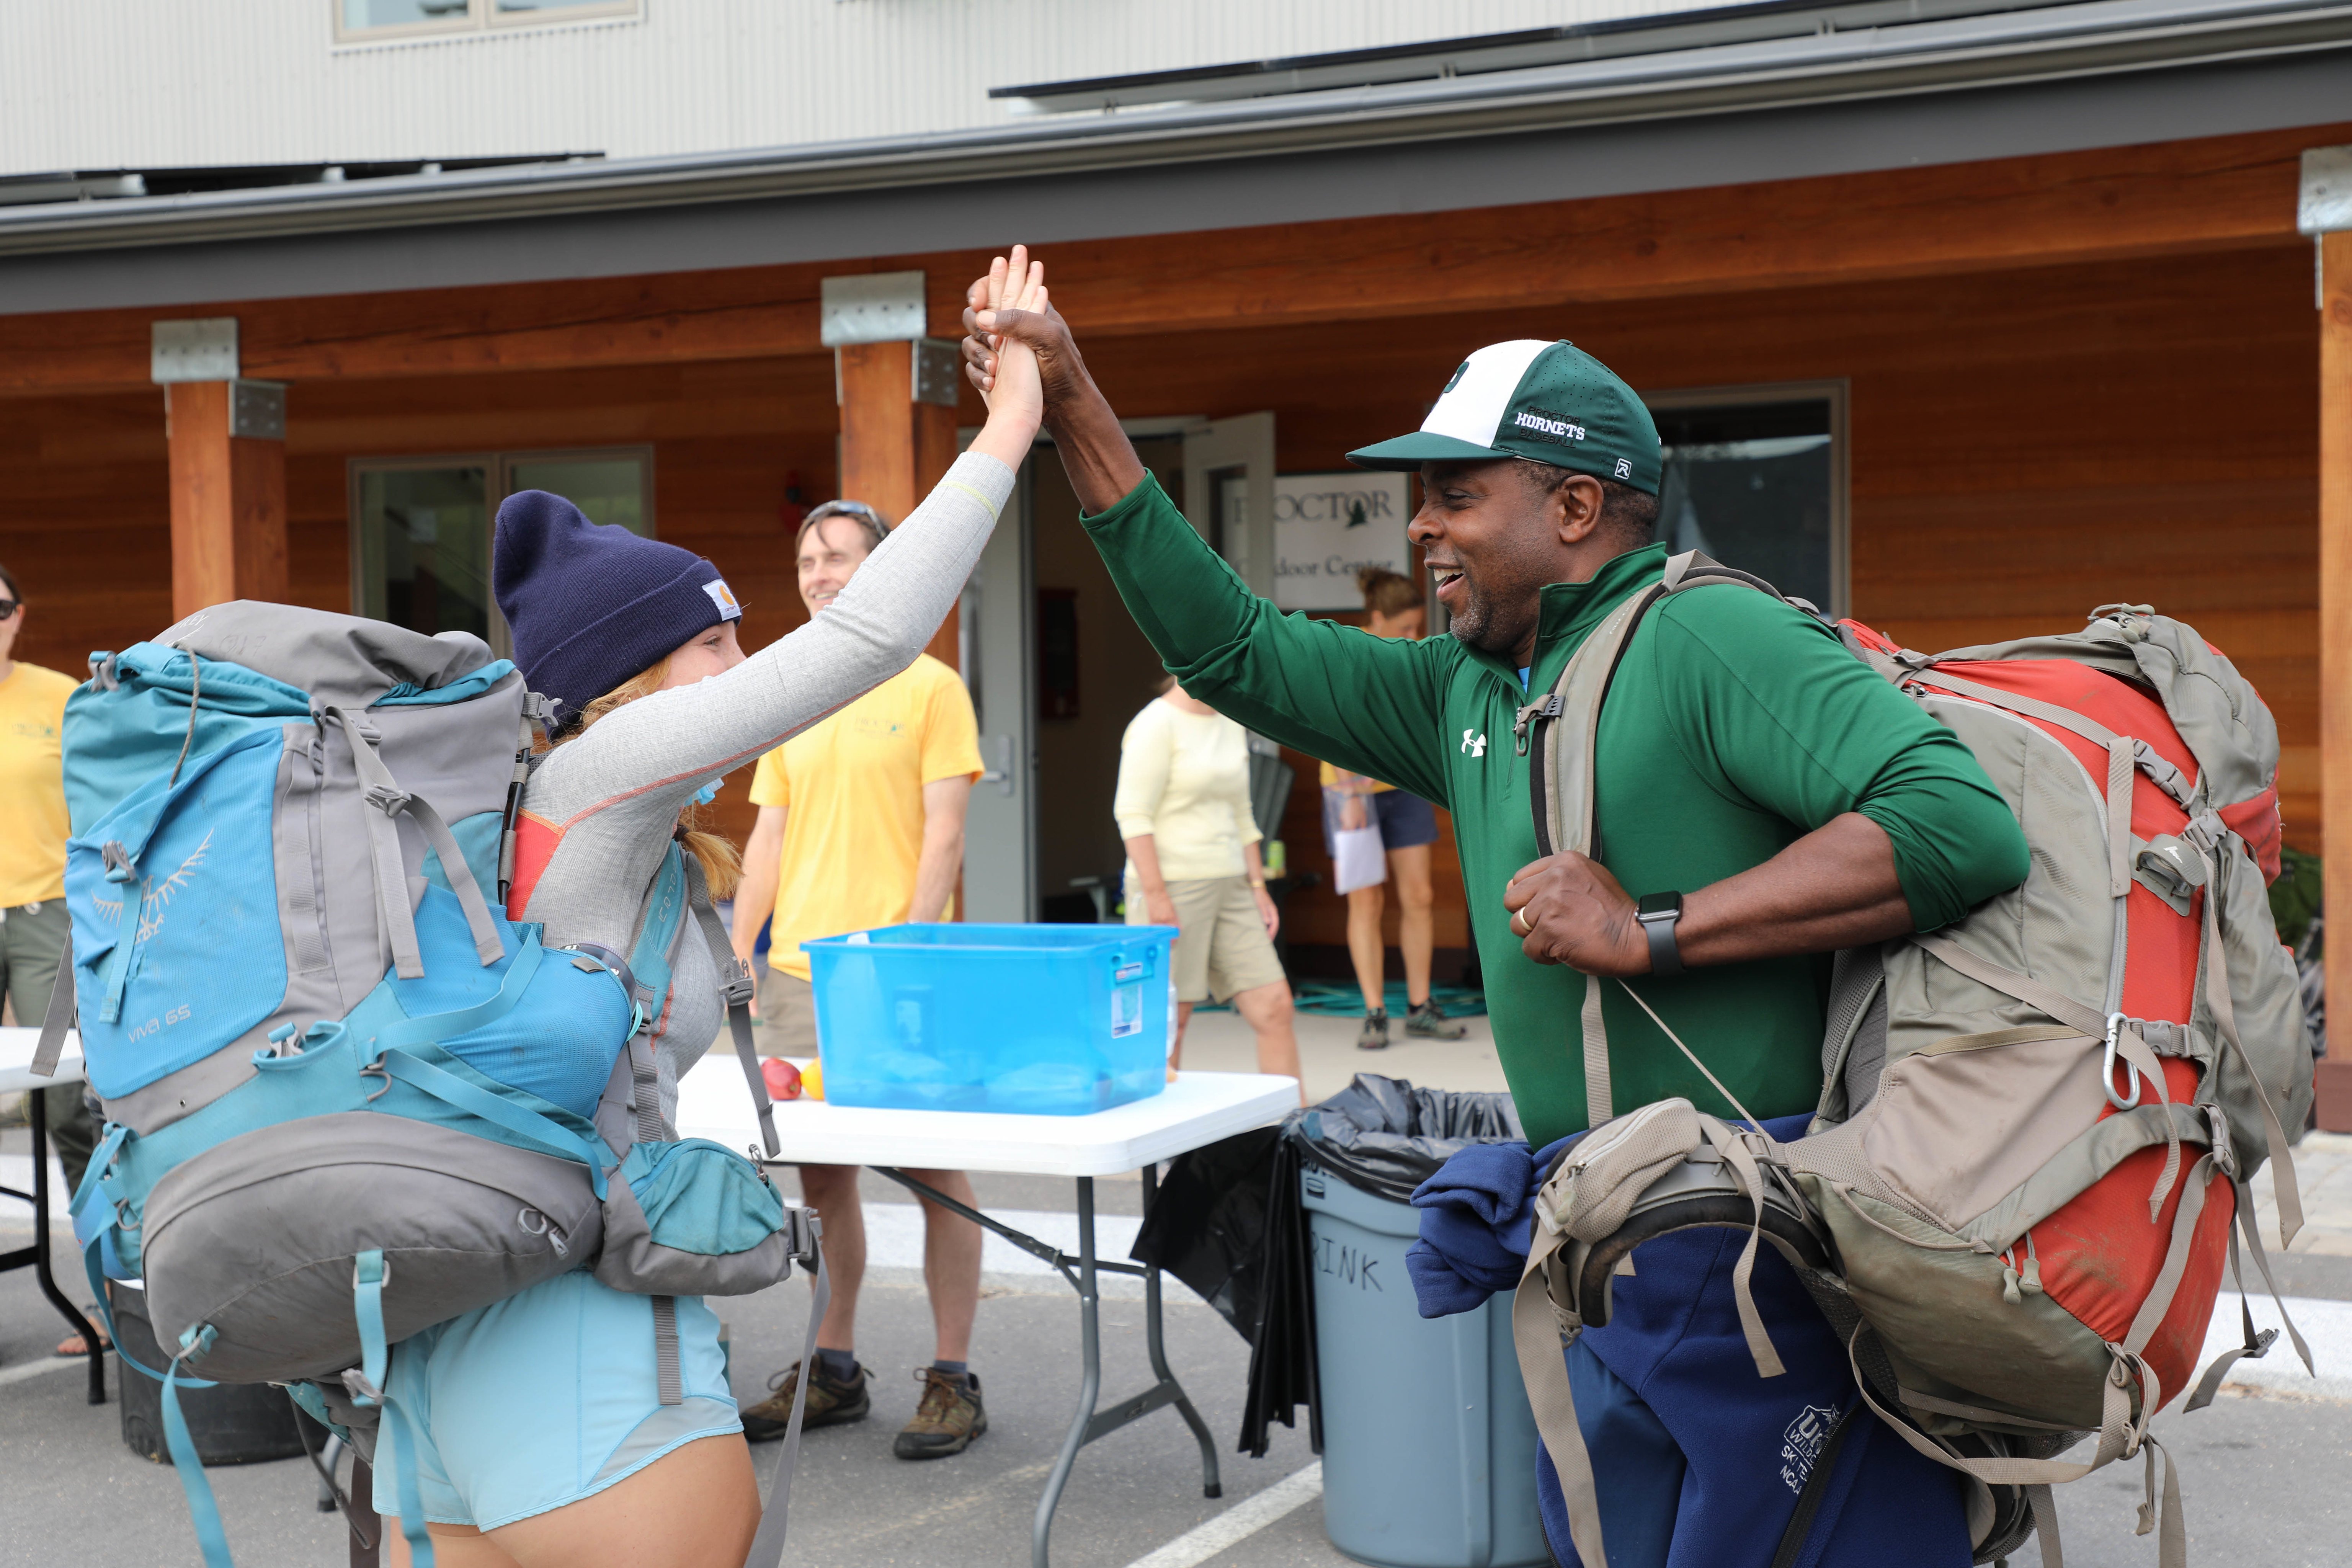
<point>347,1096</point>
<point>2016,1197</point>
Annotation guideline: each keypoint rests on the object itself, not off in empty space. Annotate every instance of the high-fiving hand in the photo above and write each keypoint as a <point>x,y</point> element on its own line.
<point>1015,400</point>
<point>1013,332</point>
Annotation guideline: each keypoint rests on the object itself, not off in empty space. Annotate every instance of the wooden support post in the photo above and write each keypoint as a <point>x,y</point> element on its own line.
<point>228,492</point>
<point>2336,663</point>
<point>894,446</point>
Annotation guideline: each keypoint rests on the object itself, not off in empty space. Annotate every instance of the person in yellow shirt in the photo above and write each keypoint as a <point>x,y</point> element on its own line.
<point>861,824</point>
<point>33,867</point>
<point>1408,825</point>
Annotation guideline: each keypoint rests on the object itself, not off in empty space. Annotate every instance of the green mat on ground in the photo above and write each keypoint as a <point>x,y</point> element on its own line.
<point>1341,999</point>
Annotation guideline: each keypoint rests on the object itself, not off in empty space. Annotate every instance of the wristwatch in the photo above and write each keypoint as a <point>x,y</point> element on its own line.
<point>1658,912</point>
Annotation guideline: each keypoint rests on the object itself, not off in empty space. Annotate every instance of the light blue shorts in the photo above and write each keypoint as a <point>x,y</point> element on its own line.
<point>543,1399</point>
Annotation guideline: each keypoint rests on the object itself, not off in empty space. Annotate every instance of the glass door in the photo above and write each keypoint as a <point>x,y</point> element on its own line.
<point>420,537</point>
<point>421,527</point>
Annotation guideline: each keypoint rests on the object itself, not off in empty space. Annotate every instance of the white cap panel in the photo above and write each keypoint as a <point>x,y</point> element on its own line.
<point>1472,408</point>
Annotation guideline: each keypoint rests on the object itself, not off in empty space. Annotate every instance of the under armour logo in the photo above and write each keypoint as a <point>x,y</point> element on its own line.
<point>1472,744</point>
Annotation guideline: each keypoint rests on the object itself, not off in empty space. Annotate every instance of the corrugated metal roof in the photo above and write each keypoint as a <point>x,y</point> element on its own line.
<point>1946,55</point>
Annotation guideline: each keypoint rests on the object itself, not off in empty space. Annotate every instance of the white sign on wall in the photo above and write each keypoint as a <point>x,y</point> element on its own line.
<point>1329,527</point>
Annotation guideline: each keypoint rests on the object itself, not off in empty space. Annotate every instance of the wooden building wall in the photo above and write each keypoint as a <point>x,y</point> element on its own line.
<point>2026,444</point>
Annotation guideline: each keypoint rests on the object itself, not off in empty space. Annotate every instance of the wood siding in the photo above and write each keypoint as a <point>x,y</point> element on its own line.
<point>2026,444</point>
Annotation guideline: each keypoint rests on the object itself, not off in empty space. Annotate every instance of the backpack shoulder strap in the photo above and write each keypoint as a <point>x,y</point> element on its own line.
<point>735,990</point>
<point>1566,727</point>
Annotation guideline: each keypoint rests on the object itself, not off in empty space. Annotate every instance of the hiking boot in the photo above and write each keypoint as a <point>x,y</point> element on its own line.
<point>1427,1021</point>
<point>830,1403</point>
<point>1375,1035</point>
<point>948,1417</point>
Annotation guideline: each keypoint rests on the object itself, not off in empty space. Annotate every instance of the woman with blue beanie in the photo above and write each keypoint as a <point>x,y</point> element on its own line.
<point>542,1436</point>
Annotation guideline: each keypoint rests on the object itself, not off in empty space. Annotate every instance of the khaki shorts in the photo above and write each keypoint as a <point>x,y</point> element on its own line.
<point>1223,950</point>
<point>787,1016</point>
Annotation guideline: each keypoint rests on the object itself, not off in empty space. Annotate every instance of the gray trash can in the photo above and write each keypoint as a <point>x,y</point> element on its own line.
<point>1429,1445</point>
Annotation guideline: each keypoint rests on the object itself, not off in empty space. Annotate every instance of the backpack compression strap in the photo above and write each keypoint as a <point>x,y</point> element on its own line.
<point>383,792</point>
<point>59,1016</point>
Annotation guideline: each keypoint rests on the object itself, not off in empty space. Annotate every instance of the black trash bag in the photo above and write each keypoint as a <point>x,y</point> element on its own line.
<point>1207,1224</point>
<point>1228,1221</point>
<point>1382,1136</point>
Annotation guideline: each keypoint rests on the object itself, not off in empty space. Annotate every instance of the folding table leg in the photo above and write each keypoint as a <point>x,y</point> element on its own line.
<point>1156,1343</point>
<point>1090,1378</point>
<point>36,1116</point>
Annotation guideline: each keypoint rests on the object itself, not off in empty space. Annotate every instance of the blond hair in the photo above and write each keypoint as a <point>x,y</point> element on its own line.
<point>723,862</point>
<point>1388,592</point>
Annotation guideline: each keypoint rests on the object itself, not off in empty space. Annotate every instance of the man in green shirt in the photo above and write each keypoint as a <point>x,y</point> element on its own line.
<point>1746,763</point>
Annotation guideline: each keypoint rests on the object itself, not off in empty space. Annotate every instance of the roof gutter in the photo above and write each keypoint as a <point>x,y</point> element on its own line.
<point>1973,53</point>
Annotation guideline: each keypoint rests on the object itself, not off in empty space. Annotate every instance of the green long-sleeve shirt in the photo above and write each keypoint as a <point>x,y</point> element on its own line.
<point>1735,725</point>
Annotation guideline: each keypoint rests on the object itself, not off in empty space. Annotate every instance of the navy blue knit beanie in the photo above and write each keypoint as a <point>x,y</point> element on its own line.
<point>591,604</point>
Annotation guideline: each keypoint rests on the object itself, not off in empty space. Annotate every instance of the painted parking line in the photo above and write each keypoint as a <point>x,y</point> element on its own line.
<point>9,1374</point>
<point>894,1238</point>
<point>1239,1522</point>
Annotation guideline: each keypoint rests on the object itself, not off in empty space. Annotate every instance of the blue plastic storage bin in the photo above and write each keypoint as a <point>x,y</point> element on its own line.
<point>1042,1020</point>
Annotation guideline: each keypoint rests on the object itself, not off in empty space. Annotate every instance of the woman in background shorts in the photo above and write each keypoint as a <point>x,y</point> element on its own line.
<point>1408,825</point>
<point>1184,808</point>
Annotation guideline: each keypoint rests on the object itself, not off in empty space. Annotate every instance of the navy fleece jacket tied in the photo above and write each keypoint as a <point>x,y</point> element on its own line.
<point>1698,1460</point>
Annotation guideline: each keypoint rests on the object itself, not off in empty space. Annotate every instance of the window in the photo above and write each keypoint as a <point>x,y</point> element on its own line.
<point>1755,476</point>
<point>357,20</point>
<point>421,527</point>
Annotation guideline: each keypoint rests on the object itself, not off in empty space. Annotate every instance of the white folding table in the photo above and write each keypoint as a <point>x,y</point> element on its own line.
<point>715,1102</point>
<point>16,1073</point>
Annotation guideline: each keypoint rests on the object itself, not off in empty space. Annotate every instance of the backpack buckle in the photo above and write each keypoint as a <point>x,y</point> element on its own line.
<point>2115,1022</point>
<point>739,990</point>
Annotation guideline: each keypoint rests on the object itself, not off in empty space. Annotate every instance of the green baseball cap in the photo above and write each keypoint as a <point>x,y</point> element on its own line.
<point>1528,399</point>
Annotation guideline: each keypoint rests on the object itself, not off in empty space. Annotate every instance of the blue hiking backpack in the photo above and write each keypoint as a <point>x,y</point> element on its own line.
<point>346,1097</point>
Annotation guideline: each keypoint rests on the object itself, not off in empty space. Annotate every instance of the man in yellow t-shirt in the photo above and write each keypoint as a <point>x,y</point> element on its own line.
<point>861,824</point>
<point>33,863</point>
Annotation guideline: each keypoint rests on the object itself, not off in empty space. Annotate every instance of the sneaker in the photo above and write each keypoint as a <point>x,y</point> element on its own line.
<point>830,1403</point>
<point>948,1417</point>
<point>1375,1035</point>
<point>1428,1022</point>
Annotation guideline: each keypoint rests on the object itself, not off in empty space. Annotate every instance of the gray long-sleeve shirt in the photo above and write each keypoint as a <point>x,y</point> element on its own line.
<point>611,796</point>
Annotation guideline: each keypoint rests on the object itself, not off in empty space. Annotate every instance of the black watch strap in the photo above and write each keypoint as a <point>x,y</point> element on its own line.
<point>1659,914</point>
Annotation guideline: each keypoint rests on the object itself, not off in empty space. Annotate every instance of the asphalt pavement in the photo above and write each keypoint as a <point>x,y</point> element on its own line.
<point>2263,1472</point>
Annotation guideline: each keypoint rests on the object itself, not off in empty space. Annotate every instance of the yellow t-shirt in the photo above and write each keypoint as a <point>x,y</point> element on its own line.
<point>853,786</point>
<point>1331,779</point>
<point>32,785</point>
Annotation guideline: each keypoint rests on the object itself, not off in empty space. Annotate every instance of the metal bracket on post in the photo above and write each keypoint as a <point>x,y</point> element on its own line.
<point>200,350</point>
<point>258,410</point>
<point>2324,205</point>
<point>871,308</point>
<point>939,371</point>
